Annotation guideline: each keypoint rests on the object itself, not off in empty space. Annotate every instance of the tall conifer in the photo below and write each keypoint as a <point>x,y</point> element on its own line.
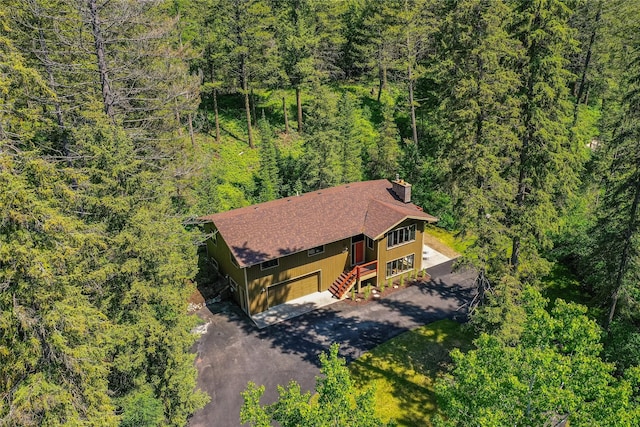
<point>476,69</point>
<point>544,162</point>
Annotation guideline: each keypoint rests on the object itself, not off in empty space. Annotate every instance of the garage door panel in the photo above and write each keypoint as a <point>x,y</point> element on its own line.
<point>296,288</point>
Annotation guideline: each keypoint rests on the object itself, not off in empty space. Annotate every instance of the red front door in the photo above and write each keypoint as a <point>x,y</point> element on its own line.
<point>357,252</point>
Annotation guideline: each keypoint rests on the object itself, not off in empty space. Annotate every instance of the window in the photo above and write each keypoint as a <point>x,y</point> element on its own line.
<point>315,251</point>
<point>215,264</point>
<point>401,235</point>
<point>214,237</point>
<point>370,243</point>
<point>233,261</point>
<point>269,264</point>
<point>400,265</point>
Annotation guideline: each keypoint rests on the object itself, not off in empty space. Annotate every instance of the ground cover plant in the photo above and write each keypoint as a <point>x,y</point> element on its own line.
<point>403,370</point>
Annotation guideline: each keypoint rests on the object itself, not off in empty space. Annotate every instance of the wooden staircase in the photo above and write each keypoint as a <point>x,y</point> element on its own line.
<point>348,279</point>
<point>344,283</point>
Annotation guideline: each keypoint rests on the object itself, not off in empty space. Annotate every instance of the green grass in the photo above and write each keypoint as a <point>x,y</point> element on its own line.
<point>561,283</point>
<point>403,371</point>
<point>459,244</point>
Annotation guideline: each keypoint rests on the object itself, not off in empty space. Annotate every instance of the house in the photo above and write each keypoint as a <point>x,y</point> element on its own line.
<point>330,239</point>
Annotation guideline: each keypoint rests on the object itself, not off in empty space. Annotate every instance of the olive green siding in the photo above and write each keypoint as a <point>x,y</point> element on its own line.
<point>221,253</point>
<point>333,261</point>
<point>414,247</point>
<point>327,266</point>
<point>370,254</point>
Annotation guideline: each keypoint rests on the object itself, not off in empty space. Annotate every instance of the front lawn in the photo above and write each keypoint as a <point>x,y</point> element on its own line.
<point>403,370</point>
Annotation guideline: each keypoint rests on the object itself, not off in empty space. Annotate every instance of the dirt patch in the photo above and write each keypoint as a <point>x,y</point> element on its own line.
<point>197,298</point>
<point>436,244</point>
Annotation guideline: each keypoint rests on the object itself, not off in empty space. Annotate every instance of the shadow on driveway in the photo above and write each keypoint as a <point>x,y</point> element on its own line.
<point>233,351</point>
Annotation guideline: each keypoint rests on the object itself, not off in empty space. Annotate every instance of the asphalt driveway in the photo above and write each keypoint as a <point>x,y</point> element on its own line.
<point>233,351</point>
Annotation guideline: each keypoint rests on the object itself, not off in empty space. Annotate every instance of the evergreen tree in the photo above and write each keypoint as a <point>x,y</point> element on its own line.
<point>308,38</point>
<point>476,71</point>
<point>354,56</point>
<point>267,180</point>
<point>417,23</point>
<point>614,258</point>
<point>53,341</point>
<point>21,87</point>
<point>384,154</point>
<point>587,20</point>
<point>321,158</point>
<point>243,31</point>
<point>376,42</point>
<point>351,144</point>
<point>139,277</point>
<point>544,162</point>
<point>142,79</point>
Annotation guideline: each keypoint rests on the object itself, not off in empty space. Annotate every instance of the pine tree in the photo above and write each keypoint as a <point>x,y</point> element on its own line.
<point>21,89</point>
<point>321,158</point>
<point>308,38</point>
<point>142,79</point>
<point>376,42</point>
<point>614,258</point>
<point>417,23</point>
<point>546,163</point>
<point>139,276</point>
<point>479,83</point>
<point>267,180</point>
<point>351,145</point>
<point>383,156</point>
<point>587,19</point>
<point>53,340</point>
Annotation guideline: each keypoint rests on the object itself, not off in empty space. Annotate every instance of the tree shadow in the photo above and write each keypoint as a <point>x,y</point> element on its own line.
<point>208,281</point>
<point>295,344</point>
<point>408,370</point>
<point>360,328</point>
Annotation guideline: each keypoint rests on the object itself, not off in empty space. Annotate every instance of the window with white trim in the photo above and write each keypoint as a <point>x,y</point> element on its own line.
<point>214,237</point>
<point>272,263</point>
<point>215,264</point>
<point>233,285</point>
<point>315,251</point>
<point>401,235</point>
<point>400,265</point>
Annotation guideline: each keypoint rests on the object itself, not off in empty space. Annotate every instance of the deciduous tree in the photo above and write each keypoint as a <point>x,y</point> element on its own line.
<point>339,403</point>
<point>548,374</point>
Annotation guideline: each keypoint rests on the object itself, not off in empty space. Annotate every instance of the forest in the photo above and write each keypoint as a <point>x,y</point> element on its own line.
<point>121,121</point>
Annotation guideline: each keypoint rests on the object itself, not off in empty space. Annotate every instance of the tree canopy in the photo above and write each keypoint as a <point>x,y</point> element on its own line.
<point>338,403</point>
<point>120,121</point>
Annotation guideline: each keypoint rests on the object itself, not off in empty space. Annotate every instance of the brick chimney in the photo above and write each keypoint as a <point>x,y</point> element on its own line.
<point>402,190</point>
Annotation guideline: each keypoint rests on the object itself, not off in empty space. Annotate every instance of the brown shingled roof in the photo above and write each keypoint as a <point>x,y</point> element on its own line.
<point>281,227</point>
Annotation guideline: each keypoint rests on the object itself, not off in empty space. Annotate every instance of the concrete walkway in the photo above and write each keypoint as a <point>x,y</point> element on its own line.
<point>293,308</point>
<point>432,258</point>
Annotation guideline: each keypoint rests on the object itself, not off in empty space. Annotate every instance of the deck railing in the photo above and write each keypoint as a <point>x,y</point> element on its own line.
<point>347,280</point>
<point>368,268</point>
